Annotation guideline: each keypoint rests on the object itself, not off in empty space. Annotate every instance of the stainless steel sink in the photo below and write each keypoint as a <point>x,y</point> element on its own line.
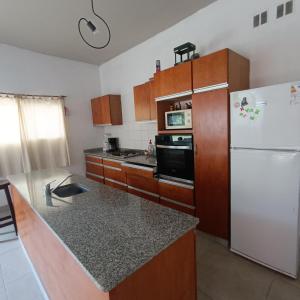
<point>69,190</point>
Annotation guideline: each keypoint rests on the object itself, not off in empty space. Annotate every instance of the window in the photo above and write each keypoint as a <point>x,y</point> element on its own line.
<point>32,134</point>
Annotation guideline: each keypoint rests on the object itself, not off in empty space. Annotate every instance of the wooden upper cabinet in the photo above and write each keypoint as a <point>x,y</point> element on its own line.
<point>223,68</point>
<point>153,104</point>
<point>172,81</point>
<point>144,102</point>
<point>107,110</point>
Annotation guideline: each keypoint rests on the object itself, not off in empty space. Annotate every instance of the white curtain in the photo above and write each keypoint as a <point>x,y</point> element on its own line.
<point>32,134</point>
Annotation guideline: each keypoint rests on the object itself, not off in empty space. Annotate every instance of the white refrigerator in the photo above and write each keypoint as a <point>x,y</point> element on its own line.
<point>265,175</point>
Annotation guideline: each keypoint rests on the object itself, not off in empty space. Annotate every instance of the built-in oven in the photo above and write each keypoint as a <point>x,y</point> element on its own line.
<point>175,157</point>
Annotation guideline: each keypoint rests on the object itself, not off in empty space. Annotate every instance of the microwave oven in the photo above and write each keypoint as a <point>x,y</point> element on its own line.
<point>178,119</point>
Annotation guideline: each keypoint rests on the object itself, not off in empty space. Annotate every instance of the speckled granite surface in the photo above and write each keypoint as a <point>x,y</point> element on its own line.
<point>112,233</point>
<point>140,159</point>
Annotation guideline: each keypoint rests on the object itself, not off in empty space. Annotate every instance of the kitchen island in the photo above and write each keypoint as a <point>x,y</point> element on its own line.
<point>104,243</point>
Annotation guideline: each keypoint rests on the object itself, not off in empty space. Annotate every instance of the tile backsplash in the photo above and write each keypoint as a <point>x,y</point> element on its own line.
<point>132,134</point>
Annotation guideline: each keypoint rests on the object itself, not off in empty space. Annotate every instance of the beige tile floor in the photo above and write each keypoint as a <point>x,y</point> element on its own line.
<point>223,275</point>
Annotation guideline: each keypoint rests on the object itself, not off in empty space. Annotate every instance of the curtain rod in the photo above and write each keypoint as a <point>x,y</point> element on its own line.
<point>28,95</point>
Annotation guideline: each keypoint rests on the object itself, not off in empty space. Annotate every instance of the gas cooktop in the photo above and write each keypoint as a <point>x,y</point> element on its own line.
<point>124,153</point>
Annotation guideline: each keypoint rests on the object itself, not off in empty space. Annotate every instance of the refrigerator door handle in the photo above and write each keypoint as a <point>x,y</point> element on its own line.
<point>266,149</point>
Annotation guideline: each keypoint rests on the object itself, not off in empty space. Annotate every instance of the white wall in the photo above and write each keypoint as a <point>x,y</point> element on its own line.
<point>23,71</point>
<point>273,50</point>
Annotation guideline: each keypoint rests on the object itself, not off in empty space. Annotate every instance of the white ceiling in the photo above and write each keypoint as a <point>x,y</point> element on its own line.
<point>50,26</point>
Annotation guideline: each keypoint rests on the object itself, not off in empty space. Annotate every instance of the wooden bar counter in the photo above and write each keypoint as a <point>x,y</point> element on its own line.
<point>104,243</point>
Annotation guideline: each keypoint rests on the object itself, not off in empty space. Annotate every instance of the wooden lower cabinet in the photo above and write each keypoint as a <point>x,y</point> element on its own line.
<point>114,174</point>
<point>116,184</point>
<point>140,181</point>
<point>94,168</point>
<point>143,183</point>
<point>143,194</point>
<point>211,141</point>
<point>177,195</point>
<point>94,177</point>
<point>178,206</point>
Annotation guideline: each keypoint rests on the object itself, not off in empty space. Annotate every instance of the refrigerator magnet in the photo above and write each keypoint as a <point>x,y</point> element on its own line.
<point>295,94</point>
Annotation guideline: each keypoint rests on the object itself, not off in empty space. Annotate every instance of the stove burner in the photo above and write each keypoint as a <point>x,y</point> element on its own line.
<point>124,153</point>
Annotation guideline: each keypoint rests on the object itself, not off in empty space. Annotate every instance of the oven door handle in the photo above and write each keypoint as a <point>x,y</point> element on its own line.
<point>175,147</point>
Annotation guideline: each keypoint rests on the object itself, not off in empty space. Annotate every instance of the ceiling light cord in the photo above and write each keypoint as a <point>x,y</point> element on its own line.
<point>105,23</point>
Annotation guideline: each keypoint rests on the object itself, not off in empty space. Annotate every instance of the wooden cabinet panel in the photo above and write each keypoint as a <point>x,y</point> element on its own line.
<point>91,158</point>
<point>115,109</point>
<point>94,168</point>
<point>95,178</point>
<point>174,80</point>
<point>171,275</point>
<point>143,195</point>
<point>143,183</point>
<point>177,206</point>
<point>96,111</point>
<point>153,105</point>
<point>177,193</point>
<point>138,170</point>
<point>142,102</point>
<point>115,185</point>
<point>114,174</point>
<point>221,67</point>
<point>211,69</point>
<point>211,139</point>
<point>106,110</point>
<point>112,163</point>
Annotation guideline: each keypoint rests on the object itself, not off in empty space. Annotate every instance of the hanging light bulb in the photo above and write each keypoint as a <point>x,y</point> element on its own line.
<point>93,28</point>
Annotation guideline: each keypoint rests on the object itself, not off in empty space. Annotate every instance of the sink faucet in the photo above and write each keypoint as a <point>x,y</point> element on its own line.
<point>48,185</point>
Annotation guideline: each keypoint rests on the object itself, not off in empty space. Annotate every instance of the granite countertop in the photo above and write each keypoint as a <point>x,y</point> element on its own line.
<point>111,233</point>
<point>139,159</point>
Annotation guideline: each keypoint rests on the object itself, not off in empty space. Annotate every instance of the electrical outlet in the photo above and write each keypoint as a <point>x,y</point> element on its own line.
<point>289,6</point>
<point>280,11</point>
<point>264,17</point>
<point>256,21</point>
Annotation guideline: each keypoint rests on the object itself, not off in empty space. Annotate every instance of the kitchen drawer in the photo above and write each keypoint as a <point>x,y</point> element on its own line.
<point>176,191</point>
<point>115,184</point>
<point>143,183</point>
<point>92,158</point>
<point>95,168</point>
<point>138,170</point>
<point>143,194</point>
<point>95,177</point>
<point>191,210</point>
<point>112,163</point>
<point>115,174</point>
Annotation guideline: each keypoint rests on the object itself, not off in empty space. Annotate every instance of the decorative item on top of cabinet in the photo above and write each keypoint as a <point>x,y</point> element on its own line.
<point>221,69</point>
<point>173,82</point>
<point>144,102</point>
<point>107,110</point>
